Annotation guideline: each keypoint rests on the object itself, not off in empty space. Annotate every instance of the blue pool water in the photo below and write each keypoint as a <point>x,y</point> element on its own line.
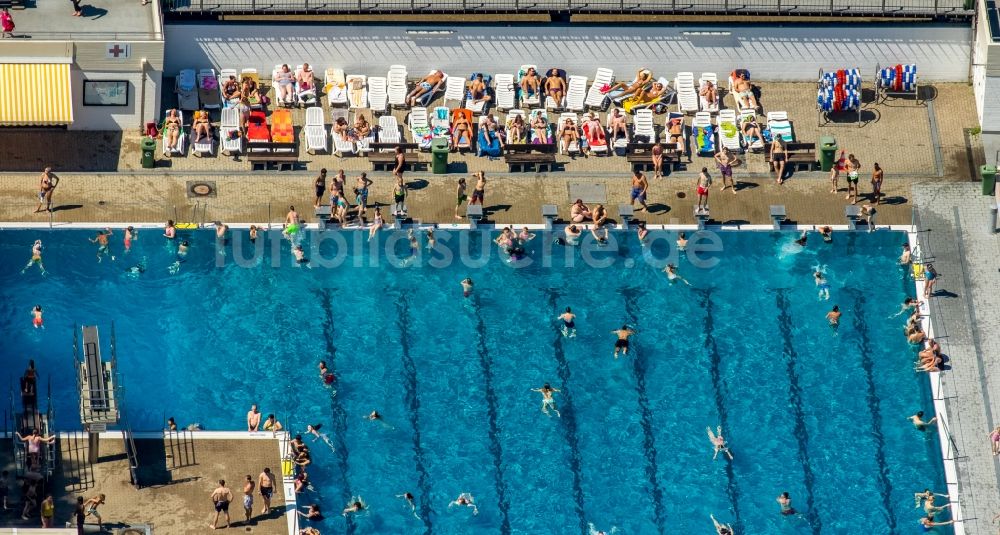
<point>809,410</point>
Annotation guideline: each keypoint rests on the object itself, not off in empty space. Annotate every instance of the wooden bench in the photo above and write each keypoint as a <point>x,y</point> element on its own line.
<point>534,156</point>
<point>796,154</point>
<point>268,155</point>
<point>386,161</point>
<point>640,155</point>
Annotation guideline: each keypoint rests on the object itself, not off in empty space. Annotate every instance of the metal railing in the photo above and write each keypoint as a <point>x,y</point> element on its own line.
<point>888,8</point>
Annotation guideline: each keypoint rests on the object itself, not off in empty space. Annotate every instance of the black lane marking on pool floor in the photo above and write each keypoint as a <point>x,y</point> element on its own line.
<point>413,404</point>
<point>503,502</point>
<point>715,360</point>
<point>645,415</point>
<point>795,399</point>
<point>569,421</point>
<point>865,347</point>
<point>338,416</point>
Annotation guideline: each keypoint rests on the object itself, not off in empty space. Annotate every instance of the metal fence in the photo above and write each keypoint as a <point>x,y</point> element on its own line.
<point>888,8</point>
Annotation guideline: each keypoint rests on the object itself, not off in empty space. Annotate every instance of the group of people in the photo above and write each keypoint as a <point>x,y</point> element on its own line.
<point>222,496</point>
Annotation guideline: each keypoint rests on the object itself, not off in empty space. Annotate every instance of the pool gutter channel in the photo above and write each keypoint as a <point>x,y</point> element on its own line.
<point>941,411</point>
<point>16,225</point>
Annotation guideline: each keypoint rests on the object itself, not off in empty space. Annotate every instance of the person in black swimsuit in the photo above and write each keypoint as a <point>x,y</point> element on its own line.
<point>569,326</point>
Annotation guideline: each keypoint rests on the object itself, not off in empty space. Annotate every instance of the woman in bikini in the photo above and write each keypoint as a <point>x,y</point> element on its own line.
<point>341,129</point>
<point>540,127</point>
<point>516,129</point>
<point>284,84</point>
<point>361,127</point>
<point>460,129</point>
<point>201,126</point>
<point>642,78</point>
<point>618,127</point>
<point>250,91</point>
<point>569,134</point>
<point>172,125</point>
<point>231,89</point>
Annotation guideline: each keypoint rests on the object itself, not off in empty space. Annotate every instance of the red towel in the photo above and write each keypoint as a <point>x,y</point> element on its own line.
<point>897,82</point>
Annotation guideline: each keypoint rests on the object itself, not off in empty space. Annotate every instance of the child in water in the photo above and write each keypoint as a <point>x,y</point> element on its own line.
<point>37,319</point>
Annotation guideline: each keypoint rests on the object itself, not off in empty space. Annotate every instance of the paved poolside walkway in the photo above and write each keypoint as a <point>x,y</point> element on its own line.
<point>178,483</point>
<point>953,221</point>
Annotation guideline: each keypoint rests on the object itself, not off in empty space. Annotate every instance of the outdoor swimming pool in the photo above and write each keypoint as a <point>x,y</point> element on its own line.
<point>806,409</point>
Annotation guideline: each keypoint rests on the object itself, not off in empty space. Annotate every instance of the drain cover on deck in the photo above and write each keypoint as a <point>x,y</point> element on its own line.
<point>200,188</point>
<point>590,192</point>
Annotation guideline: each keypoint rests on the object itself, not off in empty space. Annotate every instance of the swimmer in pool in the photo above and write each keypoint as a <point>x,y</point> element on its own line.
<point>220,233</point>
<point>822,285</point>
<point>355,506</point>
<point>314,431</point>
<point>102,243</point>
<point>682,242</point>
<point>130,236</point>
<point>718,442</point>
<point>621,344</point>
<point>300,256</point>
<point>182,251</point>
<point>785,502</point>
<point>36,257</point>
<point>569,325</point>
<point>431,240</point>
<point>671,271</point>
<point>641,232</point>
<point>36,320</point>
<point>548,402</point>
<point>918,420</point>
<point>908,303</point>
<point>137,269</point>
<point>932,509</point>
<point>525,236</point>
<point>907,256</point>
<point>170,231</point>
<point>414,247</point>
<point>409,501</point>
<point>833,316</point>
<point>827,234</point>
<point>919,497</point>
<point>376,416</point>
<point>467,285</point>
<point>572,233</point>
<point>253,233</point>
<point>465,500</point>
<point>600,233</point>
<point>801,241</point>
<point>720,528</point>
<point>928,522</point>
<point>594,531</point>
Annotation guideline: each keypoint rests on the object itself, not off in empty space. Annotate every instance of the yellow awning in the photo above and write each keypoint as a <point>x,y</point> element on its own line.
<point>35,94</point>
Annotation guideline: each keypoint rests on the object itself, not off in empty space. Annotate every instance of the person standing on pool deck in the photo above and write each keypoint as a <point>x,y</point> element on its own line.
<point>639,188</point>
<point>46,187</point>
<point>102,243</point>
<point>320,187</point>
<point>80,513</point>
<point>918,420</point>
<point>621,344</point>
<point>253,418</point>
<point>265,482</point>
<point>400,163</point>
<point>930,280</point>
<point>479,191</point>
<point>170,231</point>
<point>90,506</point>
<point>37,319</point>
<point>786,504</point>
<point>703,183</point>
<point>248,486</point>
<point>221,497</point>
<point>726,160</point>
<point>399,198</point>
<point>833,316</point>
<point>460,196</point>
<point>569,325</point>
<point>548,402</point>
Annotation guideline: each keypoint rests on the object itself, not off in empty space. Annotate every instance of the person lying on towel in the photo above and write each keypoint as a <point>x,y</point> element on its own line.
<point>424,86</point>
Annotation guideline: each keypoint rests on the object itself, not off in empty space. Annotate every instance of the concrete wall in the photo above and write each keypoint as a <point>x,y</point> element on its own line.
<point>793,52</point>
<point>91,63</point>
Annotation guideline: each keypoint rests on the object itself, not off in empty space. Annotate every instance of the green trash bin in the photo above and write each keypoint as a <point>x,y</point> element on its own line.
<point>827,152</point>
<point>148,146</point>
<point>989,174</point>
<point>439,156</point>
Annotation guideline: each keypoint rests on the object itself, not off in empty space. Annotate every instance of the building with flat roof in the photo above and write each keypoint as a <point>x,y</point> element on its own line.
<point>98,71</point>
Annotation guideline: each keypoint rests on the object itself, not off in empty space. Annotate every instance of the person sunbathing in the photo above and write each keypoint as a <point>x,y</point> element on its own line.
<point>675,132</point>
<point>569,134</point>
<point>579,212</point>
<point>460,129</point>
<point>201,126</point>
<point>653,93</point>
<point>231,89</point>
<point>744,91</point>
<point>284,83</point>
<point>424,86</point>
<point>516,129</point>
<point>305,78</point>
<point>530,83</point>
<point>751,132</point>
<point>642,79</point>
<point>172,127</point>
<point>250,91</point>
<point>540,126</point>
<point>341,129</point>
<point>555,87</point>
<point>477,88</point>
<point>709,93</point>
<point>618,127</point>
<point>361,127</point>
<point>595,133</point>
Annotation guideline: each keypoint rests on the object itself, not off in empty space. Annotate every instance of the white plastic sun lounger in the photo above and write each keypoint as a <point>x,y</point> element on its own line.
<point>315,130</point>
<point>204,147</point>
<point>289,99</point>
<point>420,130</point>
<point>576,92</point>
<point>604,77</point>
<point>335,87</point>
<point>357,90</point>
<point>687,95</point>
<point>229,131</point>
<point>505,91</point>
<point>729,130</point>
<point>181,138</point>
<point>778,123</point>
<point>454,90</point>
<point>709,77</point>
<point>642,125</point>
<point>377,94</point>
<point>186,87</point>
<point>388,130</point>
<point>209,92</point>
<point>396,85</point>
<point>364,144</point>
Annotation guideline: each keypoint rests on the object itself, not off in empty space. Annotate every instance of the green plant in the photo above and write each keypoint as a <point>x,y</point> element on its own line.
<point>975,131</point>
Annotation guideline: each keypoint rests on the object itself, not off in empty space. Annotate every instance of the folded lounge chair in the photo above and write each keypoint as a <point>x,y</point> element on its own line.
<point>687,95</point>
<point>705,79</point>
<point>576,93</point>
<point>729,130</point>
<point>229,131</point>
<point>315,131</point>
<point>186,87</point>
<point>335,87</point>
<point>454,90</point>
<point>357,90</point>
<point>209,92</point>
<point>703,133</point>
<point>596,94</point>
<point>378,96</point>
<point>388,129</point>
<point>505,92</point>
<point>642,125</point>
<point>396,85</point>
<point>420,129</point>
<point>257,131</point>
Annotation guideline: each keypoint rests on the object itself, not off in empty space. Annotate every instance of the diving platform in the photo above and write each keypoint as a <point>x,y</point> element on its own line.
<point>96,381</point>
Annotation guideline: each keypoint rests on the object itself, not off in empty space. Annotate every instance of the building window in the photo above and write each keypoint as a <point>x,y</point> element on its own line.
<point>105,93</point>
